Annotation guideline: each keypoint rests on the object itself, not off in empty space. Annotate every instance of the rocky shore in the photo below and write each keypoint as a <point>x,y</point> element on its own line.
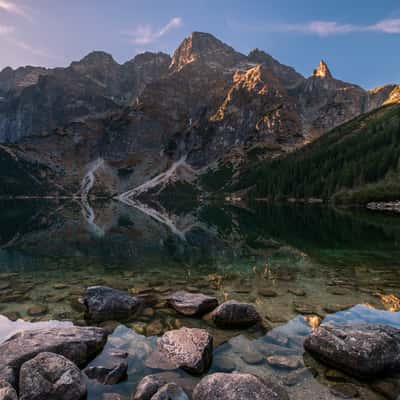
<point>52,363</point>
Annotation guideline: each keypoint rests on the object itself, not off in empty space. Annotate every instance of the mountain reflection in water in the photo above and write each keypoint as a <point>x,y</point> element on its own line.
<point>299,265</point>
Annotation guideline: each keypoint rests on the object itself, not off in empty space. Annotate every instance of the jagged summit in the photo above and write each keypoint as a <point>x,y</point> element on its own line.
<point>204,47</point>
<point>322,71</point>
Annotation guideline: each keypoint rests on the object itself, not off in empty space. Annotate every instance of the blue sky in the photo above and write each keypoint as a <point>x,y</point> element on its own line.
<point>359,39</point>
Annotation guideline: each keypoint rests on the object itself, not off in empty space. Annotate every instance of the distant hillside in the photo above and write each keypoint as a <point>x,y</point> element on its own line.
<point>356,162</point>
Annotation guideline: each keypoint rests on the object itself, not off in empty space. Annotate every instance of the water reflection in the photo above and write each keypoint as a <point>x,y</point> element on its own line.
<point>299,265</point>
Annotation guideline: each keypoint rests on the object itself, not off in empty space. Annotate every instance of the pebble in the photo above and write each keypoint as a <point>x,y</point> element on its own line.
<point>252,358</point>
<point>345,390</point>
<point>297,292</point>
<point>37,310</point>
<point>155,328</point>
<point>290,362</point>
<point>267,293</point>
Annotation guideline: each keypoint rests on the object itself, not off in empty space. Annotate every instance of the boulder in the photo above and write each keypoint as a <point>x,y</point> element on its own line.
<point>187,348</point>
<point>233,314</point>
<point>78,344</point>
<point>237,386</point>
<point>104,303</point>
<point>7,392</point>
<point>49,376</point>
<point>363,351</point>
<point>148,387</point>
<point>170,391</point>
<point>192,304</point>
<point>108,375</point>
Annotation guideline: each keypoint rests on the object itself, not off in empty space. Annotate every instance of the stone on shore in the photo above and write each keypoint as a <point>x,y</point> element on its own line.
<point>170,391</point>
<point>233,314</point>
<point>192,304</point>
<point>148,387</point>
<point>51,376</point>
<point>237,386</point>
<point>363,351</point>
<point>7,392</point>
<point>78,344</point>
<point>104,303</point>
<point>186,348</point>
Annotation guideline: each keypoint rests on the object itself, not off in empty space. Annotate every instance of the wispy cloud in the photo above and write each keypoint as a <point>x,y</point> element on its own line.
<point>6,30</point>
<point>146,34</point>
<point>327,28</point>
<point>391,25</point>
<point>14,8</point>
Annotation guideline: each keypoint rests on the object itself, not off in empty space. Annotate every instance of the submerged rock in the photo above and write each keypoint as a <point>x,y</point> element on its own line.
<point>78,344</point>
<point>362,351</point>
<point>186,348</point>
<point>51,376</point>
<point>192,304</point>
<point>104,303</point>
<point>237,386</point>
<point>170,391</point>
<point>7,392</point>
<point>233,314</point>
<point>108,375</point>
<point>148,387</point>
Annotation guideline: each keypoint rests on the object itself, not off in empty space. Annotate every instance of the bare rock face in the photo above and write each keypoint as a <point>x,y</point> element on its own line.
<point>186,348</point>
<point>192,304</point>
<point>322,71</point>
<point>237,386</point>
<point>233,314</point>
<point>77,344</point>
<point>206,101</point>
<point>363,351</point>
<point>104,303</point>
<point>148,387</point>
<point>7,392</point>
<point>170,391</point>
<point>50,376</point>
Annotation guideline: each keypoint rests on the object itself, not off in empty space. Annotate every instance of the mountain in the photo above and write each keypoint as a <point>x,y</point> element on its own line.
<point>107,128</point>
<point>356,163</point>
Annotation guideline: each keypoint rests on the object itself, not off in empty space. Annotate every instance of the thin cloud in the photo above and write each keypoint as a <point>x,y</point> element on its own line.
<point>13,8</point>
<point>146,34</point>
<point>328,28</point>
<point>391,25</point>
<point>6,30</point>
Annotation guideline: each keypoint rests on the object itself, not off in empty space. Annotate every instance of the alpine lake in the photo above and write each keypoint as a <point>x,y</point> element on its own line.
<point>299,265</point>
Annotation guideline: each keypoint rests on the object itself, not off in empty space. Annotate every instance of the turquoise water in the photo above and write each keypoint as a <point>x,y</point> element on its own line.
<point>299,265</point>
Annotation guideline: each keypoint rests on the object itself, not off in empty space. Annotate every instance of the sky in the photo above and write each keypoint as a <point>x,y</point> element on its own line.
<point>359,39</point>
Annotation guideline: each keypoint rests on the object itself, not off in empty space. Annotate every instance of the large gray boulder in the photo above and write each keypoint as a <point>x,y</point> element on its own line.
<point>233,314</point>
<point>148,387</point>
<point>7,392</point>
<point>78,344</point>
<point>237,386</point>
<point>362,351</point>
<point>186,348</point>
<point>170,391</point>
<point>104,304</point>
<point>192,304</point>
<point>50,376</point>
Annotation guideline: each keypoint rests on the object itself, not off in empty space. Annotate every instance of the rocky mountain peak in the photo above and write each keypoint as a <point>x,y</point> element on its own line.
<point>322,71</point>
<point>205,48</point>
<point>95,59</point>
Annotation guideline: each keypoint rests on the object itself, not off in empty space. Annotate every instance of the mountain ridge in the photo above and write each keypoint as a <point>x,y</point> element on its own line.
<point>207,103</point>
